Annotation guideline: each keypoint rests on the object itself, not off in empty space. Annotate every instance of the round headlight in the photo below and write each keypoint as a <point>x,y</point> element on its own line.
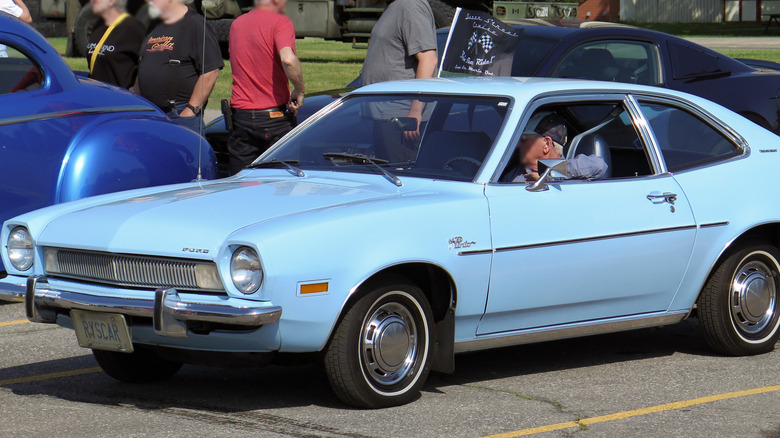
<point>20,249</point>
<point>246,271</point>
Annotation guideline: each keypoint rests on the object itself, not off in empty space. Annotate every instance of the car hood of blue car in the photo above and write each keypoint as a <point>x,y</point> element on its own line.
<point>165,221</point>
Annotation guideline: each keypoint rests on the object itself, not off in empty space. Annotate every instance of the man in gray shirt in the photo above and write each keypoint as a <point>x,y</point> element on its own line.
<point>546,141</point>
<point>402,46</point>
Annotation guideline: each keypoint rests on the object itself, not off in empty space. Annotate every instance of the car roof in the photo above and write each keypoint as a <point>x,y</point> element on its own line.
<point>518,88</point>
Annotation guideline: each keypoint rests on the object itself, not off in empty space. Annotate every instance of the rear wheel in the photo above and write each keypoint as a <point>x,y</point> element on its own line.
<point>738,307</point>
<point>141,366</point>
<point>442,13</point>
<point>82,28</point>
<point>379,355</point>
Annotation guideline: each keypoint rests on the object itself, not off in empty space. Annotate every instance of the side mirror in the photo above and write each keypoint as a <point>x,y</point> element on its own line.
<point>552,168</point>
<point>404,123</point>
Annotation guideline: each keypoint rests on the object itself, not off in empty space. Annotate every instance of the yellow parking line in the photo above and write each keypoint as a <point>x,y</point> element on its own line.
<point>636,412</point>
<point>40,377</point>
<point>18,321</point>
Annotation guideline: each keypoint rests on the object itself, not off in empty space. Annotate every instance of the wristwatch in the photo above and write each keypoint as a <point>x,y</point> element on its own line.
<point>195,109</point>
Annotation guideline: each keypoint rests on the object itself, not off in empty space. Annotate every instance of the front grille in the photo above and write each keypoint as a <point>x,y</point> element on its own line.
<point>125,270</point>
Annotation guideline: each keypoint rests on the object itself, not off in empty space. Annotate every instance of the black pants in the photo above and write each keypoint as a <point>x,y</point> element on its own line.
<point>253,133</point>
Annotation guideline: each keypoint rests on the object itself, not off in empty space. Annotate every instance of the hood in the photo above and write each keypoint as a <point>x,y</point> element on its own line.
<point>202,216</point>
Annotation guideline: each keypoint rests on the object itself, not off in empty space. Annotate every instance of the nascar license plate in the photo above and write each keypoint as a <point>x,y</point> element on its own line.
<point>102,331</point>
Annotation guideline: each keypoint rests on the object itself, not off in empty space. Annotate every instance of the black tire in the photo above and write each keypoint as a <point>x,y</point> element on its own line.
<point>739,307</point>
<point>360,373</point>
<point>82,28</point>
<point>140,366</point>
<point>442,13</point>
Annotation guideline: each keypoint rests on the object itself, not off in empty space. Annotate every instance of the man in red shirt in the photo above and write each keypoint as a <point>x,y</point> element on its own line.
<point>262,55</point>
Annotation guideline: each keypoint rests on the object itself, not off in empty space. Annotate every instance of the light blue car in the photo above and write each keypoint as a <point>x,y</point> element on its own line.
<point>402,225</point>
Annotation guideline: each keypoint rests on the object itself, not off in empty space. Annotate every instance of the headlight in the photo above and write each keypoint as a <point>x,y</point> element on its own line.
<point>246,271</point>
<point>20,249</point>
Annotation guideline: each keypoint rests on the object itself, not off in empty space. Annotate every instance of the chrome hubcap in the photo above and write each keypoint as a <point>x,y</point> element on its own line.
<point>753,296</point>
<point>389,344</point>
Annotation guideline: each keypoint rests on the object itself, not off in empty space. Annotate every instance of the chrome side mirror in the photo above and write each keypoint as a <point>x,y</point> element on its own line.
<point>552,168</point>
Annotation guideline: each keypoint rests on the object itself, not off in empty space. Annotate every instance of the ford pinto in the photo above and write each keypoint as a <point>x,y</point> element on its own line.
<point>403,224</point>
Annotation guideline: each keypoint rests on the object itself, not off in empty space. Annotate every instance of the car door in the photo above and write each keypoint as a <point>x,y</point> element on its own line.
<point>589,250</point>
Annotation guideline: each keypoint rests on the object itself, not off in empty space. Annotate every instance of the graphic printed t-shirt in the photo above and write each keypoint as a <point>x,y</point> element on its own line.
<point>259,81</point>
<point>117,62</point>
<point>160,80</point>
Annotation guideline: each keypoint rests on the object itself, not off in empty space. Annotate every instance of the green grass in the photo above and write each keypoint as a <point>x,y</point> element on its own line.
<point>736,29</point>
<point>326,65</point>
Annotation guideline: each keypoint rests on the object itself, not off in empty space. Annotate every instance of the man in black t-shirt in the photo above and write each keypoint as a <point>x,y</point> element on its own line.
<point>179,62</point>
<point>117,58</point>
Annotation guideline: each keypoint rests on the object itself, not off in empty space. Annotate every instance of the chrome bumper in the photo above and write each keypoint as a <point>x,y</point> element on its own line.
<point>169,313</point>
<point>11,290</point>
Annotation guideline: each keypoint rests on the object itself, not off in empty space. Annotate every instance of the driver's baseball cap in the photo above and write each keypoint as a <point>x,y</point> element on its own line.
<point>551,125</point>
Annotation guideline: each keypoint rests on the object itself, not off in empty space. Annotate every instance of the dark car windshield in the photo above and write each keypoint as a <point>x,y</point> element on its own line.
<point>366,132</point>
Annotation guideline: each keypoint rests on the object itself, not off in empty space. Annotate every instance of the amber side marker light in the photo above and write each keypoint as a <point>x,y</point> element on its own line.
<point>314,288</point>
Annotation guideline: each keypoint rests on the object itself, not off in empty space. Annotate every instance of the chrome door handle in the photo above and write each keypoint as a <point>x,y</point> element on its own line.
<point>658,197</point>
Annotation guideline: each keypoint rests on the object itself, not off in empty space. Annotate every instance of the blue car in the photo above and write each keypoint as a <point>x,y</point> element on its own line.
<point>382,244</point>
<point>65,137</point>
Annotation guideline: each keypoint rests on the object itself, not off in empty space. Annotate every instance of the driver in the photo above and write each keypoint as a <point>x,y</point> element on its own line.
<point>546,141</point>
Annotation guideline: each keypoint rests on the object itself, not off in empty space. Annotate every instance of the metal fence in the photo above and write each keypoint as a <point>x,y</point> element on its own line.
<point>672,11</point>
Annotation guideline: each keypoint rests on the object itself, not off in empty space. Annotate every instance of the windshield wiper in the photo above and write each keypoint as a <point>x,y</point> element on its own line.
<point>275,162</point>
<point>363,159</point>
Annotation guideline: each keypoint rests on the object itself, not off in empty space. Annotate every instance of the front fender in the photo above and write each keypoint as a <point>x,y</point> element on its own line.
<point>124,154</point>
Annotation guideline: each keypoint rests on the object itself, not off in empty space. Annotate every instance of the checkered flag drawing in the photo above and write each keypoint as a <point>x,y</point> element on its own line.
<point>473,40</point>
<point>479,45</point>
<point>486,42</point>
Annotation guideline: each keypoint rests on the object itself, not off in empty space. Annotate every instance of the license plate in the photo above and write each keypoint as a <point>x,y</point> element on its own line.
<point>102,331</point>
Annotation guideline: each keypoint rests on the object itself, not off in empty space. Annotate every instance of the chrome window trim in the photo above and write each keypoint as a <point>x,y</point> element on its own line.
<point>646,134</point>
<point>708,118</point>
<point>76,112</point>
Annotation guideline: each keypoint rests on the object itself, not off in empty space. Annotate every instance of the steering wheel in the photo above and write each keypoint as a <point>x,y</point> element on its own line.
<point>448,164</point>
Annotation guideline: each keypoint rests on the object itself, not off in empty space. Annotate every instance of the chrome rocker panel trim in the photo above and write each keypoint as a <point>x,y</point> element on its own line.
<point>169,312</point>
<point>574,330</point>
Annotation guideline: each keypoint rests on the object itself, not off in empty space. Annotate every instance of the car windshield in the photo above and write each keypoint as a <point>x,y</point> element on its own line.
<point>376,134</point>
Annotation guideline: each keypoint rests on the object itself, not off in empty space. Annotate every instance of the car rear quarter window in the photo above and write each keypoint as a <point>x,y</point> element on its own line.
<point>686,140</point>
<point>17,71</point>
<point>689,61</point>
<point>634,62</point>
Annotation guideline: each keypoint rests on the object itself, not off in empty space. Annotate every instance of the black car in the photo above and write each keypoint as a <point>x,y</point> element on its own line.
<point>624,54</point>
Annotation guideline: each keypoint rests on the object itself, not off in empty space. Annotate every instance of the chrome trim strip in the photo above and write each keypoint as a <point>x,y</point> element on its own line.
<point>168,310</point>
<point>714,224</point>
<point>476,252</point>
<point>591,239</point>
<point>75,112</point>
<point>646,133</point>
<point>572,330</point>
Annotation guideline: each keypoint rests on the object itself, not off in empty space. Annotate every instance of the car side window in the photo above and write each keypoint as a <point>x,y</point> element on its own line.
<point>17,71</point>
<point>633,62</point>
<point>601,131</point>
<point>686,140</point>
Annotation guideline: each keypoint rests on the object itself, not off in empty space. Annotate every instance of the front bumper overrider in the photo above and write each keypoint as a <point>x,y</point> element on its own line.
<point>168,310</point>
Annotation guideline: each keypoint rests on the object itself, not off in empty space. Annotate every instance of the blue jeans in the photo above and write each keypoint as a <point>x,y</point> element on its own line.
<point>194,123</point>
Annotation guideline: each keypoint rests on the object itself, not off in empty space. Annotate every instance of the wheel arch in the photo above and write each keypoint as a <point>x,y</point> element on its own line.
<point>439,288</point>
<point>768,232</point>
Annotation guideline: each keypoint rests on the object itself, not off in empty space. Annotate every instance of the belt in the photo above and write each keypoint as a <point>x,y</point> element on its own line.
<point>254,112</point>
<point>169,108</point>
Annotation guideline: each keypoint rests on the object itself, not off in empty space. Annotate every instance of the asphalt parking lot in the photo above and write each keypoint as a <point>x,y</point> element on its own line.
<point>656,382</point>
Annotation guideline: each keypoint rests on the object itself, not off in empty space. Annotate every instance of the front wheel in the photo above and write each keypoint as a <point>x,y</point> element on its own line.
<point>379,355</point>
<point>738,307</point>
<point>140,366</point>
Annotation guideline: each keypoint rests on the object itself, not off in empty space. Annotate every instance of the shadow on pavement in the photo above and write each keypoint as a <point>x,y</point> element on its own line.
<point>230,395</point>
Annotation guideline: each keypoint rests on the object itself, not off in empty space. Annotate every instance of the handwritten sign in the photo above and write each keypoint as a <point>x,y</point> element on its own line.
<point>479,45</point>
